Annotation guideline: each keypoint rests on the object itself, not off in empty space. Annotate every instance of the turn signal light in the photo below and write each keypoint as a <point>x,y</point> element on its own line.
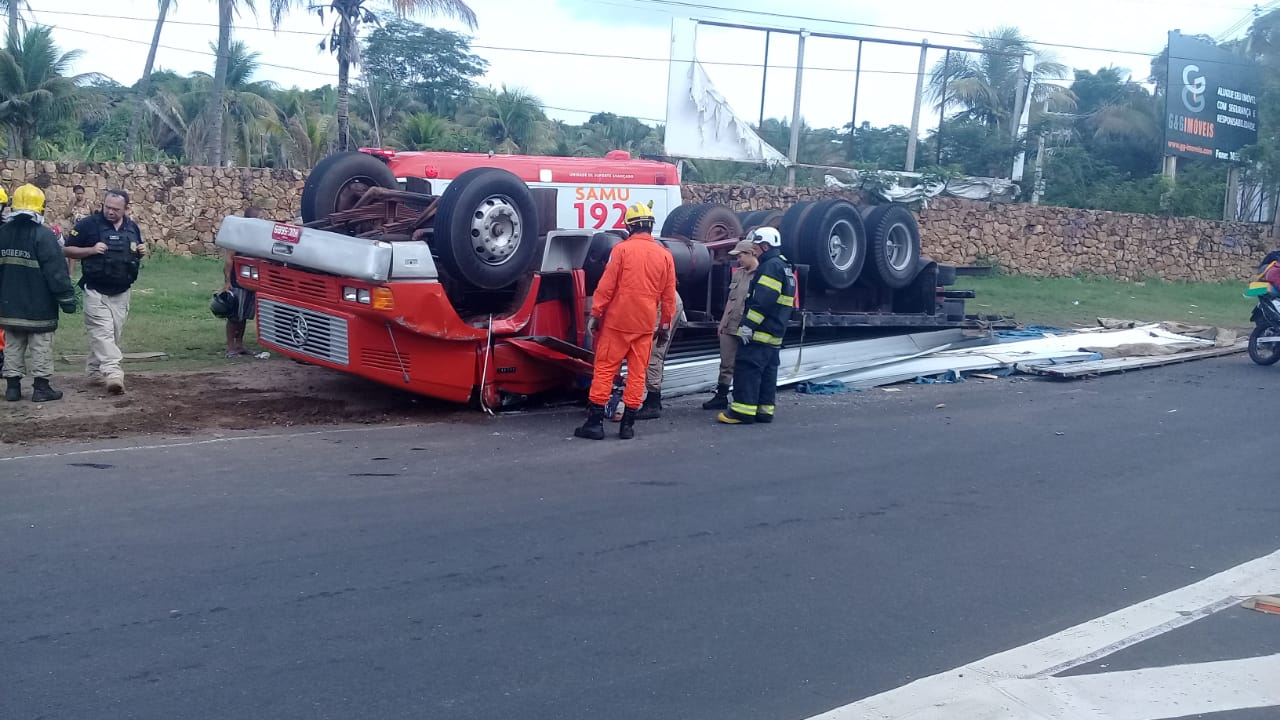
<point>382,299</point>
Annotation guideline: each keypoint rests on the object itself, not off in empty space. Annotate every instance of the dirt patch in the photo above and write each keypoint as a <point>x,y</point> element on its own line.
<point>242,396</point>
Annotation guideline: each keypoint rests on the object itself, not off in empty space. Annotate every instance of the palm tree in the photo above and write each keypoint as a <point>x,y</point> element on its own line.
<point>424,131</point>
<point>35,89</point>
<point>12,9</point>
<point>144,85</point>
<point>510,118</point>
<point>984,86</point>
<point>344,38</point>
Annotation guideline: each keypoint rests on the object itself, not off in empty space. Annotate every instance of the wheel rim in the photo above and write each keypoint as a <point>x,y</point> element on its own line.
<point>898,248</point>
<point>842,244</point>
<point>495,229</point>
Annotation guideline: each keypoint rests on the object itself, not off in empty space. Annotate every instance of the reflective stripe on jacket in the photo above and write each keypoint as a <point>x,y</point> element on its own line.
<point>771,299</point>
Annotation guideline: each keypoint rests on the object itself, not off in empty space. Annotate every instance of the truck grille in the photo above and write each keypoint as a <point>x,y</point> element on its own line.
<point>303,331</point>
<point>277,280</point>
<point>385,360</point>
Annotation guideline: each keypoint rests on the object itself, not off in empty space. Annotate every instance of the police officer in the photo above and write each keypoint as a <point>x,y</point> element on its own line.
<point>110,248</point>
<point>768,310</point>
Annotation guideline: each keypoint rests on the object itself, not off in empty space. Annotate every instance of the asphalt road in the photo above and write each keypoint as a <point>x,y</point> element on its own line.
<point>499,568</point>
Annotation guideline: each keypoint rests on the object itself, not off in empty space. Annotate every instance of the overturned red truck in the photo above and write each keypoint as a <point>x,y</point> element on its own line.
<point>468,277</point>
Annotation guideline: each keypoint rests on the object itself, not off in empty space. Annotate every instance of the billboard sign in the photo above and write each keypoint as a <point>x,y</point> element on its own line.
<point>1211,100</point>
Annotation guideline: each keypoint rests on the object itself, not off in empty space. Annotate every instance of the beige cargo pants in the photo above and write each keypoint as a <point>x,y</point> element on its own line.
<point>104,317</point>
<point>658,355</point>
<point>28,354</point>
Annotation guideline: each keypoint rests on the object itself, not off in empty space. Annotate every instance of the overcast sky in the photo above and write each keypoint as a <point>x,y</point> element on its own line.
<point>524,42</point>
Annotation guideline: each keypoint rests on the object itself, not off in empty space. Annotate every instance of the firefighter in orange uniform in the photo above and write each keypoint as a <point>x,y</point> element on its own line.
<point>639,280</point>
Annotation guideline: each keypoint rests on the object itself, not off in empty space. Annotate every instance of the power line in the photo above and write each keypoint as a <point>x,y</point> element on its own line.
<point>311,72</point>
<point>496,48</point>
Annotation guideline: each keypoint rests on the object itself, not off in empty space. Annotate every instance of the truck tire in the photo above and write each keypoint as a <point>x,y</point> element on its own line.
<point>790,228</point>
<point>893,238</point>
<point>674,219</point>
<point>335,183</point>
<point>710,222</point>
<point>921,294</point>
<point>602,245</point>
<point>759,219</point>
<point>486,228</point>
<point>835,242</point>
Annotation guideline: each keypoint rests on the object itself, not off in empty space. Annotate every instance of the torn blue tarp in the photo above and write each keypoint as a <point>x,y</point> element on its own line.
<point>834,387</point>
<point>1030,332</point>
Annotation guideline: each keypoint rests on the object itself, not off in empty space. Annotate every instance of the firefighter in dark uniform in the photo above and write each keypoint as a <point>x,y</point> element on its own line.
<point>768,310</point>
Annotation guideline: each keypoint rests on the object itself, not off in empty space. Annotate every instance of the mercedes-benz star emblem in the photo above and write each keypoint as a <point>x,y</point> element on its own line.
<point>299,330</point>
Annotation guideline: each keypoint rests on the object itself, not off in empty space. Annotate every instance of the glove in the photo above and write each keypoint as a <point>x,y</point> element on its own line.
<point>662,336</point>
<point>593,324</point>
<point>745,334</point>
<point>68,307</point>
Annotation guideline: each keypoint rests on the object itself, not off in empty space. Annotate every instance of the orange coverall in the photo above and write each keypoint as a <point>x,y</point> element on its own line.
<point>640,276</point>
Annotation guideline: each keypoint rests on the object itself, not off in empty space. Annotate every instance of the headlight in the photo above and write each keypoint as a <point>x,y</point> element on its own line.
<point>349,294</point>
<point>249,271</point>
<point>363,297</point>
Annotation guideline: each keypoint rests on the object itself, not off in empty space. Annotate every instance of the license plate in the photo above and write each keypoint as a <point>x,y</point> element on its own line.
<point>281,249</point>
<point>286,233</point>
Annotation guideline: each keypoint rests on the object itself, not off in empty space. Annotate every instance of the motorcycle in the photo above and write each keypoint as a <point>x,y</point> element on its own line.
<point>1264,341</point>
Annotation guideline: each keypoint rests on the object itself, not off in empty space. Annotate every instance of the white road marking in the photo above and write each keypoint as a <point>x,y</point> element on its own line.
<point>211,441</point>
<point>1018,685</point>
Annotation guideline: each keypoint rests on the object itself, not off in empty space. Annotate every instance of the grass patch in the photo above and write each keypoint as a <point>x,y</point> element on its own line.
<point>1064,301</point>
<point>169,312</point>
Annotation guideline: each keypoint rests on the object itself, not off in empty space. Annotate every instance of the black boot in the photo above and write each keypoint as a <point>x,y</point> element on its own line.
<point>593,428</point>
<point>13,392</point>
<point>719,401</point>
<point>627,429</point>
<point>41,392</point>
<point>652,407</point>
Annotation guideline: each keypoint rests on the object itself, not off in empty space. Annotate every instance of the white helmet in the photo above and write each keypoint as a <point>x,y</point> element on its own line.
<point>766,236</point>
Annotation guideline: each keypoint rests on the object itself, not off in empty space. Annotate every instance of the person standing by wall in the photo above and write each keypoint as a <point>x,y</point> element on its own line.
<point>110,248</point>
<point>727,331</point>
<point>652,407</point>
<point>245,300</point>
<point>34,284</point>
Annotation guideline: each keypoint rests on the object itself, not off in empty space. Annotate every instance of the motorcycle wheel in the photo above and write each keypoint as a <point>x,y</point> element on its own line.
<point>1264,353</point>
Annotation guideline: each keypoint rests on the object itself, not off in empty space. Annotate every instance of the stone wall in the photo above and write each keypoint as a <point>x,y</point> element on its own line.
<point>1045,241</point>
<point>179,208</point>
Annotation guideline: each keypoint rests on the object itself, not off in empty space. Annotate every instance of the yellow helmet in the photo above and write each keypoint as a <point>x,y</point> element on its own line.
<point>4,197</point>
<point>640,213</point>
<point>29,198</point>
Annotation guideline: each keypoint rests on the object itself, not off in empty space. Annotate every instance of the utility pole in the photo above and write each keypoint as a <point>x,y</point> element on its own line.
<point>794,150</point>
<point>764,80</point>
<point>915,110</point>
<point>1231,207</point>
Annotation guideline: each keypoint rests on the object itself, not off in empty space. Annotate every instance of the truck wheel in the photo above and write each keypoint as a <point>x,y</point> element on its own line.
<point>790,228</point>
<point>338,181</point>
<point>710,222</point>
<point>602,244</point>
<point>835,242</point>
<point>675,218</point>
<point>894,239</point>
<point>486,228</point>
<point>761,218</point>
<point>921,294</point>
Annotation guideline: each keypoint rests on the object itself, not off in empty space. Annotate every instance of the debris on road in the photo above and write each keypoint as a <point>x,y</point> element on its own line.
<point>1263,603</point>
